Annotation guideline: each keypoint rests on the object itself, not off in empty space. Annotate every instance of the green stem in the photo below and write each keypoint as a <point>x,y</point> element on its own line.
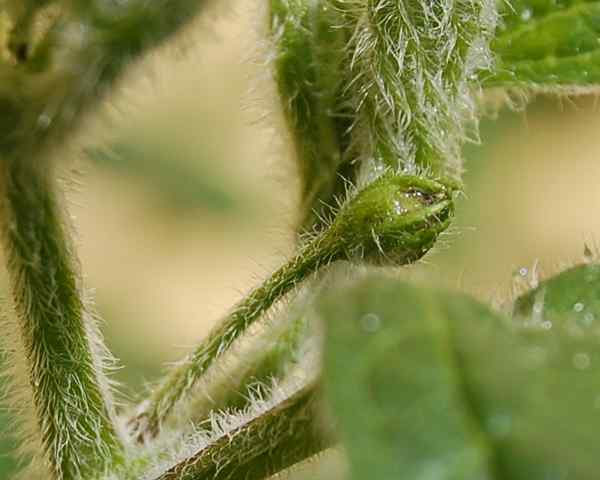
<point>71,400</point>
<point>270,359</point>
<point>309,53</point>
<point>396,219</point>
<point>184,376</point>
<point>285,434</point>
<point>80,58</point>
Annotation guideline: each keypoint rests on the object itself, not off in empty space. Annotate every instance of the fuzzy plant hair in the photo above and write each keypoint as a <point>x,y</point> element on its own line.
<point>370,85</point>
<point>379,97</point>
<point>412,66</point>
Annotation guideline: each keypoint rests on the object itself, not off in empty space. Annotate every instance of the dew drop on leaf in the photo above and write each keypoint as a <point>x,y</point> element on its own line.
<point>581,361</point>
<point>546,324</point>
<point>398,208</point>
<point>523,271</point>
<point>526,14</point>
<point>370,323</point>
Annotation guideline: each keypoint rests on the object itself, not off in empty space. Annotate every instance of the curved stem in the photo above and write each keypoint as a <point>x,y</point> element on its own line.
<point>180,381</point>
<point>287,432</point>
<point>270,359</point>
<point>71,401</point>
<point>396,218</point>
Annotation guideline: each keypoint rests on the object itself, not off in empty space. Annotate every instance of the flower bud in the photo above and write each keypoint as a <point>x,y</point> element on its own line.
<point>396,219</point>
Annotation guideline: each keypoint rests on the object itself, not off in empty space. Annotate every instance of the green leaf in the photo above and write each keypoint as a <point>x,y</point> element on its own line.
<point>179,184</point>
<point>571,298</point>
<point>548,45</point>
<point>393,384</point>
<point>535,387</point>
<point>423,379</point>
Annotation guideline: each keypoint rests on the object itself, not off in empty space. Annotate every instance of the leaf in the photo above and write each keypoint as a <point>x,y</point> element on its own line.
<point>393,386</point>
<point>421,380</point>
<point>534,387</point>
<point>572,298</point>
<point>548,45</point>
<point>165,168</point>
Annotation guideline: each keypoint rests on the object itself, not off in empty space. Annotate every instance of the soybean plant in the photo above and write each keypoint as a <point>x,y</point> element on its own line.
<point>412,382</point>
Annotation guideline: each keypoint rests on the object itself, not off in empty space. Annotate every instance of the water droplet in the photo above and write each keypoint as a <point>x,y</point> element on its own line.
<point>578,307</point>
<point>398,208</point>
<point>44,120</point>
<point>370,322</point>
<point>546,324</point>
<point>581,361</point>
<point>523,271</point>
<point>526,14</point>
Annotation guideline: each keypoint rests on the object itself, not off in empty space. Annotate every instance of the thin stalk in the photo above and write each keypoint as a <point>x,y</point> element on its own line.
<point>180,381</point>
<point>71,401</point>
<point>396,219</point>
<point>286,433</point>
<point>269,360</point>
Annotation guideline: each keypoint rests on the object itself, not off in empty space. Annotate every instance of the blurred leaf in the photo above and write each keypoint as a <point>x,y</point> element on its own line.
<point>8,463</point>
<point>424,383</point>
<point>394,388</point>
<point>548,44</point>
<point>180,183</point>
<point>572,298</point>
<point>535,388</point>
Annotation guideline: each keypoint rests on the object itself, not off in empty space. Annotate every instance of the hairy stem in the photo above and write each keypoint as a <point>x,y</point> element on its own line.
<point>71,400</point>
<point>270,359</point>
<point>394,219</point>
<point>287,432</point>
<point>184,376</point>
<point>409,71</point>
<point>308,55</point>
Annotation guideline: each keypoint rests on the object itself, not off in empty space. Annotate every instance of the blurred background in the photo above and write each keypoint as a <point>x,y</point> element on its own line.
<point>185,193</point>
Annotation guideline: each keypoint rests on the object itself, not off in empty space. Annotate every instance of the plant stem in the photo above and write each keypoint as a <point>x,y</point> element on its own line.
<point>308,54</point>
<point>409,73</point>
<point>285,434</point>
<point>71,400</point>
<point>395,219</point>
<point>270,359</point>
<point>185,375</point>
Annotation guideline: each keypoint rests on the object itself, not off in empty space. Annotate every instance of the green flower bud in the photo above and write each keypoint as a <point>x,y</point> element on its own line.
<point>395,219</point>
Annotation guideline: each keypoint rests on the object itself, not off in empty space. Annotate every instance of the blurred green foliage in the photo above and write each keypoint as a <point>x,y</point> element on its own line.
<point>545,44</point>
<point>180,179</point>
<point>432,384</point>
